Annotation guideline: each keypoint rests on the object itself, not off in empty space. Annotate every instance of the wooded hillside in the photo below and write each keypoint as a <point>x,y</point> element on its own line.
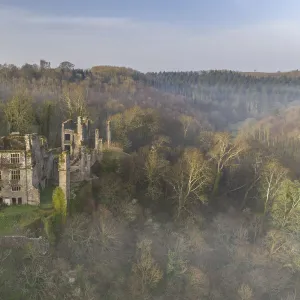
<point>200,202</point>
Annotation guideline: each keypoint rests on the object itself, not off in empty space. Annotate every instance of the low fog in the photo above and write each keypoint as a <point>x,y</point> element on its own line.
<point>197,197</point>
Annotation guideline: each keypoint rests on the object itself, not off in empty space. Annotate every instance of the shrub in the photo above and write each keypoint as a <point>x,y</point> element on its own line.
<point>147,272</point>
<point>59,202</point>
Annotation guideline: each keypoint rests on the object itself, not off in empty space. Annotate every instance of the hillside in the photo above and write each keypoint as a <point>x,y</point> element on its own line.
<point>283,123</point>
<point>183,210</point>
<point>222,99</point>
<point>230,97</point>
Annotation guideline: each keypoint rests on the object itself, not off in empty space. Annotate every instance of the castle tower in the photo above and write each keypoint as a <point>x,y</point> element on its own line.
<point>63,136</point>
<point>108,133</point>
<point>86,131</point>
<point>64,174</point>
<point>68,137</point>
<point>79,130</point>
<point>97,140</point>
<point>27,138</point>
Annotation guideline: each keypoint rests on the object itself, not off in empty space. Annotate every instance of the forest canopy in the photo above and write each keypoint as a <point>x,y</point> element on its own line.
<point>198,197</point>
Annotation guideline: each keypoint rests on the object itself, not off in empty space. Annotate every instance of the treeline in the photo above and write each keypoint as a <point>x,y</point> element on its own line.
<point>66,71</point>
<point>215,217</point>
<point>223,98</point>
<point>103,92</point>
<point>181,191</point>
<point>230,97</point>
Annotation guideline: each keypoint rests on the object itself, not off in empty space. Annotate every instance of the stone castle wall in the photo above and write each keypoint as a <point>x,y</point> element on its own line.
<point>35,169</point>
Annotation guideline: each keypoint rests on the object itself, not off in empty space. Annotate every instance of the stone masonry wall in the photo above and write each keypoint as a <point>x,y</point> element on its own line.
<point>39,170</point>
<point>6,167</point>
<point>35,167</point>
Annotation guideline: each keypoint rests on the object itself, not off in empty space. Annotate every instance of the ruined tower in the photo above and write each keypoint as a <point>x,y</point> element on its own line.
<point>63,136</point>
<point>68,137</point>
<point>85,163</point>
<point>97,153</point>
<point>97,140</point>
<point>74,135</point>
<point>83,131</point>
<point>32,193</point>
<point>108,133</point>
<point>79,130</point>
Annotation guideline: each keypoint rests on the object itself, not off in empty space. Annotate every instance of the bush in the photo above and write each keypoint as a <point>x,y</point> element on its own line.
<point>59,202</point>
<point>147,272</point>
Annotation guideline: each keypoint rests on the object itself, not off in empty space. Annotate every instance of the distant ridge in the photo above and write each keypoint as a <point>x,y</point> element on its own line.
<point>290,74</point>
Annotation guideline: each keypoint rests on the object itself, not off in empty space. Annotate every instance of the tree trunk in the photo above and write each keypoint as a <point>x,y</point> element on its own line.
<point>216,183</point>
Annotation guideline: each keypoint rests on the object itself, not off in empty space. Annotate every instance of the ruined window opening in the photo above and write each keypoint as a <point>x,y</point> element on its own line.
<point>1,201</point>
<point>67,137</point>
<point>14,201</point>
<point>0,175</point>
<point>15,158</point>
<point>20,200</point>
<point>15,175</point>
<point>15,188</point>
<point>67,148</point>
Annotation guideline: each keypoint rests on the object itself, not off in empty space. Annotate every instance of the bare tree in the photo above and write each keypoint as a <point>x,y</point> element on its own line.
<point>286,206</point>
<point>155,167</point>
<point>186,122</point>
<point>19,112</point>
<point>146,270</point>
<point>273,174</point>
<point>74,98</point>
<point>224,151</point>
<point>245,292</point>
<point>189,178</point>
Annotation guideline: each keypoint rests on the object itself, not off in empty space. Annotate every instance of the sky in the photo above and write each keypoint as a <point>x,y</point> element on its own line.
<point>156,35</point>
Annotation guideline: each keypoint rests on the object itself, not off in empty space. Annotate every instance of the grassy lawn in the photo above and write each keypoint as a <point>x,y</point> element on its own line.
<point>22,216</point>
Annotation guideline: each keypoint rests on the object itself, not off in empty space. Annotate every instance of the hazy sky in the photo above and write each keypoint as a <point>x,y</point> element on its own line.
<point>153,35</point>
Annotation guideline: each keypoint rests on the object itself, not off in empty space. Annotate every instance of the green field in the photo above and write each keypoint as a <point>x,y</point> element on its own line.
<point>16,218</point>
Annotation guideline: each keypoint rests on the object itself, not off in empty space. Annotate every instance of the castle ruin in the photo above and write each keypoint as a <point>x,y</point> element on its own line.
<point>27,166</point>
